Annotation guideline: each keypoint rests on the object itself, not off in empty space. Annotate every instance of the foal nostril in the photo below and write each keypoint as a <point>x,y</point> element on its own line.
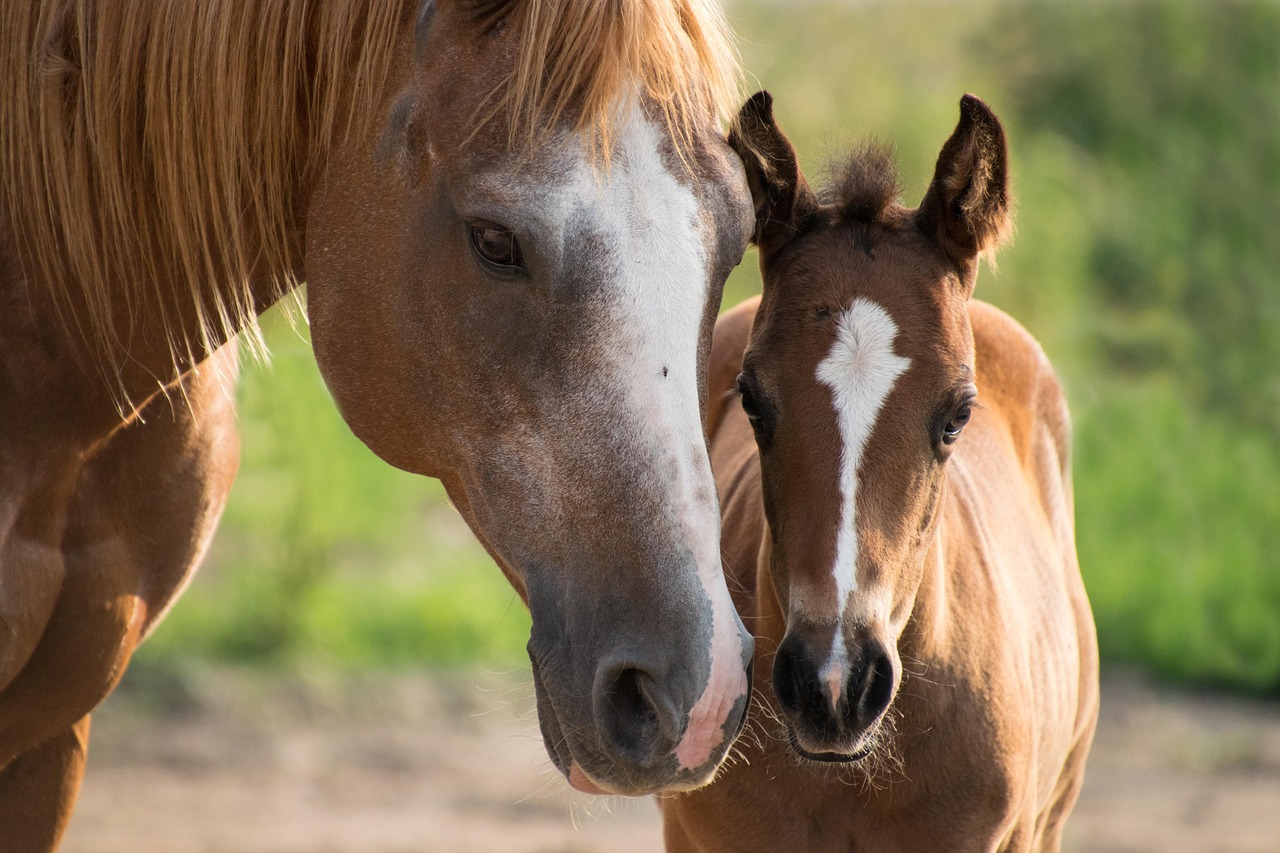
<point>633,716</point>
<point>872,687</point>
<point>787,679</point>
<point>796,682</point>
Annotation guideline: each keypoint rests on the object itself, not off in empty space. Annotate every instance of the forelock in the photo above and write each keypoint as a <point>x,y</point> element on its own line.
<point>864,186</point>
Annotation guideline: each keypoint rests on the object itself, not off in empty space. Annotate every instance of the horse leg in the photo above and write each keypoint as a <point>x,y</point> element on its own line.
<point>38,790</point>
<point>144,508</point>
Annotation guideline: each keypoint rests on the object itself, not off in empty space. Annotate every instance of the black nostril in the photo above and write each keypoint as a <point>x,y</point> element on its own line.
<point>797,686</point>
<point>788,683</point>
<point>876,690</point>
<point>629,716</point>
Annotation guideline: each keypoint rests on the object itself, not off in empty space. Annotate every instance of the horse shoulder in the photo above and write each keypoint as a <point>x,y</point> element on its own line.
<point>139,512</point>
<point>733,457</point>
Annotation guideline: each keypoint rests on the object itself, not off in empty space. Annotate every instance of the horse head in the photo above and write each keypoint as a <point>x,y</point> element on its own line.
<point>520,303</point>
<point>858,379</point>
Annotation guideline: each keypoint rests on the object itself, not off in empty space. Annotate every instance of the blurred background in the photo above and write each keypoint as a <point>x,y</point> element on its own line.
<point>1145,139</point>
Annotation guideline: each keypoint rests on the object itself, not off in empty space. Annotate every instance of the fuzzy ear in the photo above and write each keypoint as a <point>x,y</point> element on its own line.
<point>781,195</point>
<point>966,208</point>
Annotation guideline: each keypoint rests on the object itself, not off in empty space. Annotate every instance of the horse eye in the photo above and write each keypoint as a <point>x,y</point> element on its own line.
<point>956,423</point>
<point>753,408</point>
<point>749,404</point>
<point>496,246</point>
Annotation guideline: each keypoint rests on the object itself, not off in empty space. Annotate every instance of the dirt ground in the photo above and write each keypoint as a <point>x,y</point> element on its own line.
<point>430,763</point>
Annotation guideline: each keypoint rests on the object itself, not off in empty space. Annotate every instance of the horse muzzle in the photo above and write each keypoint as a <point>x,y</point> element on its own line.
<point>643,731</point>
<point>833,704</point>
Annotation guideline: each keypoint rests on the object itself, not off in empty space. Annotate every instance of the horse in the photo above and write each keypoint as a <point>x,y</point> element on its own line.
<point>514,219</point>
<point>897,523</point>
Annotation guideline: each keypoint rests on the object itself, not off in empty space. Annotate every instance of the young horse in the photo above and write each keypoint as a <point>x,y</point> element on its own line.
<point>515,219</point>
<point>897,514</point>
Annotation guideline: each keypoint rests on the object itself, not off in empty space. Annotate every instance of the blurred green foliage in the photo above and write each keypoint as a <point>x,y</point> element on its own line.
<point>326,555</point>
<point>1146,146</point>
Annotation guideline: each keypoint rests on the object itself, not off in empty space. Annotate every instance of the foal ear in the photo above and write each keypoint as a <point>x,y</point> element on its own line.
<point>966,208</point>
<point>781,195</point>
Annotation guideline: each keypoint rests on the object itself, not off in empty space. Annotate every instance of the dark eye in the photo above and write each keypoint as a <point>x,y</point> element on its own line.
<point>755,408</point>
<point>959,417</point>
<point>749,405</point>
<point>496,246</point>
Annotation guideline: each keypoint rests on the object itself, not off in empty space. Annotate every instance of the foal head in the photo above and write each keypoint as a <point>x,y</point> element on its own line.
<point>858,380</point>
<point>513,279</point>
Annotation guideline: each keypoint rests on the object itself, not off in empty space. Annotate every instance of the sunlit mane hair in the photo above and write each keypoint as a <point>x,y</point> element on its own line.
<point>588,55</point>
<point>151,152</point>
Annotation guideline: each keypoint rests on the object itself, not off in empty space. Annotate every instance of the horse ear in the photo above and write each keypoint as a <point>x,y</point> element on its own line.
<point>781,195</point>
<point>966,208</point>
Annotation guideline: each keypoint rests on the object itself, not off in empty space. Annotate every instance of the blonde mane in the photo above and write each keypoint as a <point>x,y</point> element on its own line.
<point>588,55</point>
<point>152,153</point>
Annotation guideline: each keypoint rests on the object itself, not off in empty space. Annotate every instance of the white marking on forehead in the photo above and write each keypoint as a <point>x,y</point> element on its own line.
<point>655,281</point>
<point>652,227</point>
<point>861,370</point>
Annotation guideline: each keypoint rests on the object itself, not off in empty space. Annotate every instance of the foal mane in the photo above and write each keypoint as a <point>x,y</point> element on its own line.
<point>151,152</point>
<point>588,55</point>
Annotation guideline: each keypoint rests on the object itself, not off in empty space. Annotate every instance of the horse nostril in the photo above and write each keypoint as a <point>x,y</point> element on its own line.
<point>788,679</point>
<point>630,716</point>
<point>876,690</point>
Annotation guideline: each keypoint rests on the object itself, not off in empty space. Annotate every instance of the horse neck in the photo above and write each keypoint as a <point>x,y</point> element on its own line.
<point>770,617</point>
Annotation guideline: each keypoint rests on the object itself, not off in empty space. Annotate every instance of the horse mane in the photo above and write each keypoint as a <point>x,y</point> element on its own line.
<point>589,55</point>
<point>151,152</point>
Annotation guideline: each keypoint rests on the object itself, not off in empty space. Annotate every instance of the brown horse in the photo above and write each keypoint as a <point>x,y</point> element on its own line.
<point>897,515</point>
<point>515,220</point>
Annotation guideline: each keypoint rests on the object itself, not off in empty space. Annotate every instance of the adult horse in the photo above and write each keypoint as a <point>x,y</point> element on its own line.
<point>897,514</point>
<point>515,220</point>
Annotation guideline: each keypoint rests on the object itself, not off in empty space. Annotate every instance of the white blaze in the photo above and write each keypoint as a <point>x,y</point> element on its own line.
<point>652,225</point>
<point>860,370</point>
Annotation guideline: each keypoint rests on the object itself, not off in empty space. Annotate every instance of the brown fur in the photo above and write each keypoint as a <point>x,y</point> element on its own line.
<point>864,186</point>
<point>967,565</point>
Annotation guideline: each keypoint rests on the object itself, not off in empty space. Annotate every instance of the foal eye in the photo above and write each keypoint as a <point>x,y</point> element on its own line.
<point>960,417</point>
<point>496,246</point>
<point>749,405</point>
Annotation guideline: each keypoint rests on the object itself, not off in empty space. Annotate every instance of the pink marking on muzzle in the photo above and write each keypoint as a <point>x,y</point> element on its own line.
<point>833,674</point>
<point>726,685</point>
<point>579,779</point>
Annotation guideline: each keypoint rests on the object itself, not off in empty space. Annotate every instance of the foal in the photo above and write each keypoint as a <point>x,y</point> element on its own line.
<point>897,524</point>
